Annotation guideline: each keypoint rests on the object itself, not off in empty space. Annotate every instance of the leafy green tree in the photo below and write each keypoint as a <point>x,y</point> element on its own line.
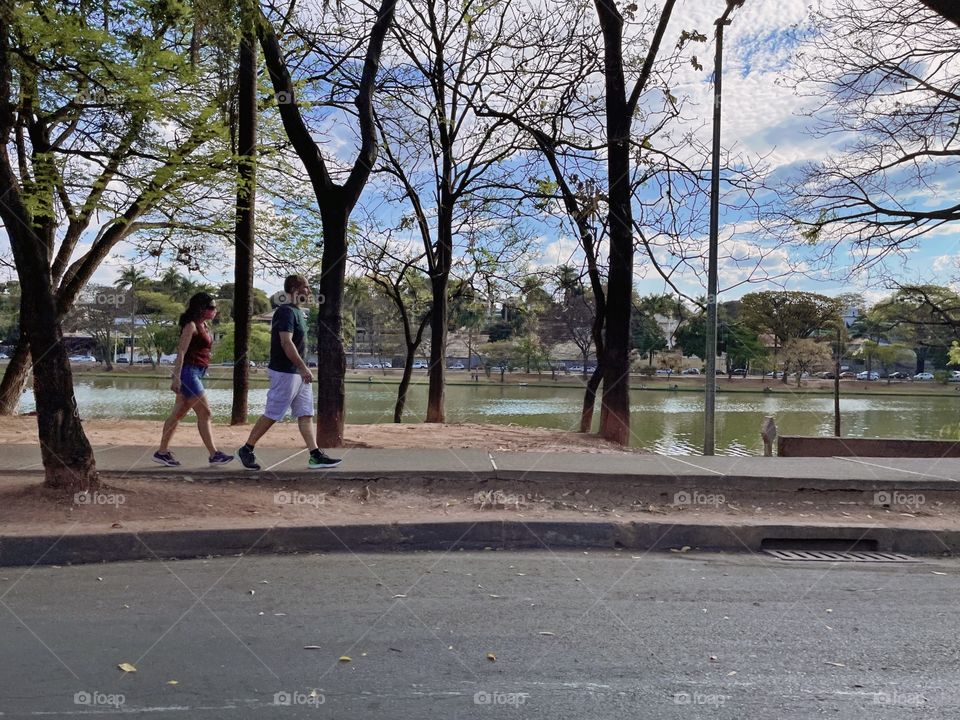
<point>501,355</point>
<point>646,336</point>
<point>805,355</point>
<point>925,318</point>
<point>259,343</point>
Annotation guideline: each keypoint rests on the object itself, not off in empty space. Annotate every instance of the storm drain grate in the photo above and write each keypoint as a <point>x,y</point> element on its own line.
<point>837,556</point>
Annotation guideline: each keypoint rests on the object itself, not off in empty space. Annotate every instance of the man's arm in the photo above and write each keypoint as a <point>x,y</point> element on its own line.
<point>290,350</point>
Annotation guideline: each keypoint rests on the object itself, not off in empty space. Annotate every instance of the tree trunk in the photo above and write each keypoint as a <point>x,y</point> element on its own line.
<point>438,341</point>
<point>615,406</point>
<point>589,400</point>
<point>404,384</point>
<point>17,373</point>
<point>331,358</point>
<point>244,239</point>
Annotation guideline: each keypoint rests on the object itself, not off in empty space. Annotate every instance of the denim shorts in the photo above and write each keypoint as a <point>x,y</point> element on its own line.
<point>190,380</point>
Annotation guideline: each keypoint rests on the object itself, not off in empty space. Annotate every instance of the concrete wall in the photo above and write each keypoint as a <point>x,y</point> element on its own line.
<point>796,446</point>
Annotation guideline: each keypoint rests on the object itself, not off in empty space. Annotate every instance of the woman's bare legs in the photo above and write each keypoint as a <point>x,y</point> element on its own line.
<point>180,408</point>
<point>201,406</point>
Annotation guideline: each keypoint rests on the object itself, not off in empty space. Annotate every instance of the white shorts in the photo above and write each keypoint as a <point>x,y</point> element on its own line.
<point>288,391</point>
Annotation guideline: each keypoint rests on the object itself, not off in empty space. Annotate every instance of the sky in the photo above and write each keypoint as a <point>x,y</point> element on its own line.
<point>762,117</point>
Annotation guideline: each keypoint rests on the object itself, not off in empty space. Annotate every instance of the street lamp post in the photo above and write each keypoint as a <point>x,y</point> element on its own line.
<point>710,395</point>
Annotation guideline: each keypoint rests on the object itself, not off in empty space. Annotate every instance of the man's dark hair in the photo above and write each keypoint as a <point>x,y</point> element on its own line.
<point>293,282</point>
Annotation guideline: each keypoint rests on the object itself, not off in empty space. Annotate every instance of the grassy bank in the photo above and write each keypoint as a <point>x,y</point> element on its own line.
<point>694,384</point>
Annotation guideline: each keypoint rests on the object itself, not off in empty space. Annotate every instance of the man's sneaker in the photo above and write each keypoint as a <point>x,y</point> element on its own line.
<point>319,460</point>
<point>248,459</point>
<point>166,458</point>
<point>220,458</point>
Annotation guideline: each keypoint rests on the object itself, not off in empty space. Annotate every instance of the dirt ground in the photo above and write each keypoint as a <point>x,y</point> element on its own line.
<point>132,504</point>
<point>22,430</point>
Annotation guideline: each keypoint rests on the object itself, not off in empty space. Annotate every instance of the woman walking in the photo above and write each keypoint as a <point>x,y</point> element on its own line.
<point>193,359</point>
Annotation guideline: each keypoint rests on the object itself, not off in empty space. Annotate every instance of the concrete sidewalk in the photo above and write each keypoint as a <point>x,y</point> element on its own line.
<point>364,464</point>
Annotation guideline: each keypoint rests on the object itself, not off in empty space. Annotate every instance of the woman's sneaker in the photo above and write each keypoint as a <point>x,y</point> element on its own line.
<point>319,460</point>
<point>166,458</point>
<point>220,458</point>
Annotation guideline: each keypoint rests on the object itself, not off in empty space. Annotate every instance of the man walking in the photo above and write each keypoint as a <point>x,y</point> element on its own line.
<point>291,382</point>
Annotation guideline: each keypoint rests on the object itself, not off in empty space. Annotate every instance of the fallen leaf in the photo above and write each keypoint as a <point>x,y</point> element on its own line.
<point>685,548</point>
<point>494,596</point>
<point>714,658</point>
<point>311,647</point>
<point>346,659</point>
<point>545,632</point>
<point>127,667</point>
<point>172,682</point>
<point>491,657</point>
<point>937,573</point>
<point>835,664</point>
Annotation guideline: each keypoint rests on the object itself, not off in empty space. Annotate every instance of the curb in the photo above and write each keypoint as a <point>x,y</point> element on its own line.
<point>459,535</point>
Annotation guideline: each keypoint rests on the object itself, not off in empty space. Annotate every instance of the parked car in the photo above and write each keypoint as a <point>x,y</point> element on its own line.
<point>864,375</point>
<point>386,364</point>
<point>311,363</point>
<point>123,359</point>
<point>690,371</point>
<point>954,376</point>
<point>365,366</point>
<point>4,356</point>
<point>82,358</point>
<point>575,368</point>
<point>421,365</point>
<point>740,372</point>
<point>665,372</point>
<point>457,366</point>
<point>897,375</point>
<point>847,374</point>
<point>923,376</point>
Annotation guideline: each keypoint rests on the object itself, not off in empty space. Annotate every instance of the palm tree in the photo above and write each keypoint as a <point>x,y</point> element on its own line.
<point>130,280</point>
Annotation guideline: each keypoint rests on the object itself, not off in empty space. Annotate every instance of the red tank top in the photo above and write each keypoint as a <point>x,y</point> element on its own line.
<point>198,352</point>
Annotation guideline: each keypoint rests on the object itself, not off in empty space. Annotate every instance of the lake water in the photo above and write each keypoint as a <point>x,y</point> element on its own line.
<point>662,422</point>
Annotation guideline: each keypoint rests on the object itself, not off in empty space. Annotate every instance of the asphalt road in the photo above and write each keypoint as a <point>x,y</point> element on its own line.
<point>574,635</point>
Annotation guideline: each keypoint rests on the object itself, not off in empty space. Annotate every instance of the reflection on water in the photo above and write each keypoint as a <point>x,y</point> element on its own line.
<point>662,422</point>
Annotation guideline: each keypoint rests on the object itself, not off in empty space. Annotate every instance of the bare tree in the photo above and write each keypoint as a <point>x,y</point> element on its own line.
<point>335,200</point>
<point>886,77</point>
<point>441,154</point>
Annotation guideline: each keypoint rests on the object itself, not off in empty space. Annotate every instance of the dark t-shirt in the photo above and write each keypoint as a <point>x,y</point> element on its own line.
<point>287,318</point>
